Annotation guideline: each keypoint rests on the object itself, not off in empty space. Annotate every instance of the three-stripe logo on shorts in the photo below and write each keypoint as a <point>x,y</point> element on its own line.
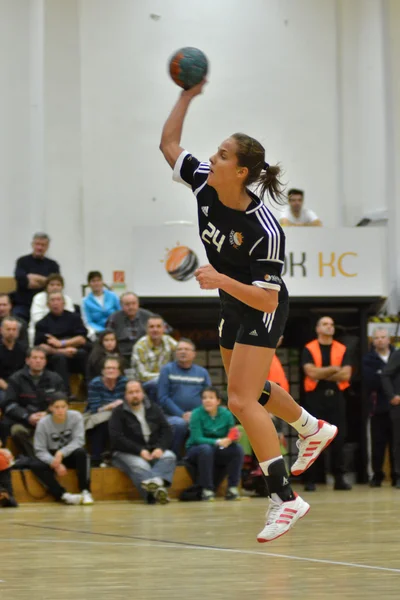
<point>268,319</point>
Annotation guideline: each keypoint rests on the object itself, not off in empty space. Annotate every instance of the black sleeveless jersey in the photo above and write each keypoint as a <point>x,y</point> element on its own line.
<point>248,246</point>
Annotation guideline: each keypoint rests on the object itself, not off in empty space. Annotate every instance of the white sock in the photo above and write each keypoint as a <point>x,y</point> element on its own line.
<point>276,499</point>
<point>306,425</point>
<point>266,464</point>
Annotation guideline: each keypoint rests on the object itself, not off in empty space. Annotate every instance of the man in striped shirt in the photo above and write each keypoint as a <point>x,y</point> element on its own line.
<point>150,353</point>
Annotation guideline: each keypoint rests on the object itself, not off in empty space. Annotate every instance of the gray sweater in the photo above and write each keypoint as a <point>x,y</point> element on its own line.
<point>51,436</point>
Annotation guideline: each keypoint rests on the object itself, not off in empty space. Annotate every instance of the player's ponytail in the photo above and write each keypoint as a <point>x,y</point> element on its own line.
<point>251,154</point>
<point>270,184</point>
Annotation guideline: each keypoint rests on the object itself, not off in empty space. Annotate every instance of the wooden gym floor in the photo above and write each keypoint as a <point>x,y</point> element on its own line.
<point>347,547</point>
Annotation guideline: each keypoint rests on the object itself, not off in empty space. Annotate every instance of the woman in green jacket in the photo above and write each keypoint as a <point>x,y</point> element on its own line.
<point>212,447</point>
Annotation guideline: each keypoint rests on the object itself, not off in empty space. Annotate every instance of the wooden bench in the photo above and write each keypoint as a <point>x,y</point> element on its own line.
<point>7,285</point>
<point>107,484</point>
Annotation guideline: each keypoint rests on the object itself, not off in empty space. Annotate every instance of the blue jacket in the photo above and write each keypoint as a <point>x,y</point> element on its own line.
<point>97,315</point>
<point>179,390</point>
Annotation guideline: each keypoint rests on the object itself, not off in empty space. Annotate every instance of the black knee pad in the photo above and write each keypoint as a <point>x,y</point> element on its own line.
<point>265,394</point>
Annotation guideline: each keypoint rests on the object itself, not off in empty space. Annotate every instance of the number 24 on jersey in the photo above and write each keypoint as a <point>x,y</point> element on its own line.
<point>211,235</point>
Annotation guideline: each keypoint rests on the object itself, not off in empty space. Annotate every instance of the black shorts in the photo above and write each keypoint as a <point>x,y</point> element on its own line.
<point>250,326</point>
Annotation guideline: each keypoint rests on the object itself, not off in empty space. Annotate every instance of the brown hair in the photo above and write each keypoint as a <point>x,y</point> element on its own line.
<point>54,277</point>
<point>251,154</point>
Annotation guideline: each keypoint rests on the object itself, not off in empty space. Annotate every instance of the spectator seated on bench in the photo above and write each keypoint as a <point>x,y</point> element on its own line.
<point>179,391</point>
<point>40,307</point>
<point>151,353</point>
<point>105,393</point>
<point>63,335</point>
<point>59,444</point>
<point>140,440</point>
<point>98,305</point>
<point>212,449</point>
<point>27,400</point>
<point>106,346</point>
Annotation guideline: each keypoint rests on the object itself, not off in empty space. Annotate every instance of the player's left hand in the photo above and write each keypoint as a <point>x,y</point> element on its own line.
<point>208,277</point>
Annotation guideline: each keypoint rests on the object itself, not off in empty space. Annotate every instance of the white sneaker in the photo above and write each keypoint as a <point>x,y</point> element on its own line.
<point>152,485</point>
<point>281,516</point>
<point>87,498</point>
<point>208,495</point>
<point>161,495</point>
<point>311,446</point>
<point>71,498</point>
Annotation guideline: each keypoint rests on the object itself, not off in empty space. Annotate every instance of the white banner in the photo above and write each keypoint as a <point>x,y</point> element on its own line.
<point>319,262</point>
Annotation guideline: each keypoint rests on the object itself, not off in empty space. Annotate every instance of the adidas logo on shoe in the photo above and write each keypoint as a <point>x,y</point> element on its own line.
<point>254,332</point>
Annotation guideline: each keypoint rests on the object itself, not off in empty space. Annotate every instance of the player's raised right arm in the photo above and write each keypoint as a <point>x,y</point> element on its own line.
<point>172,130</point>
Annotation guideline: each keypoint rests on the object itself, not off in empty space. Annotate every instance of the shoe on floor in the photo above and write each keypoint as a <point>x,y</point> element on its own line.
<point>87,498</point>
<point>7,500</point>
<point>311,446</point>
<point>71,498</point>
<point>152,485</point>
<point>207,495</point>
<point>232,493</point>
<point>341,484</point>
<point>281,516</point>
<point>397,486</point>
<point>374,483</point>
<point>161,495</point>
<point>310,487</point>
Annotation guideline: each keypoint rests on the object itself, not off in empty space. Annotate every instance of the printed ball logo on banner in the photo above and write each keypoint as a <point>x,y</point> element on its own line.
<point>181,263</point>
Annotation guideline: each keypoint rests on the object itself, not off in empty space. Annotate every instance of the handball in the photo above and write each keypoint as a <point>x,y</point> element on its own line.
<point>6,459</point>
<point>187,67</point>
<point>181,263</point>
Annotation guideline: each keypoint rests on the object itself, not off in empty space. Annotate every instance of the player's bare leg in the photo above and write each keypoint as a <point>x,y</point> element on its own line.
<point>248,367</point>
<point>314,435</point>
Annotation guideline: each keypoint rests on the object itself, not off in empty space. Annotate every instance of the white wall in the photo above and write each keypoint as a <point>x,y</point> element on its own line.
<point>15,129</point>
<point>307,77</point>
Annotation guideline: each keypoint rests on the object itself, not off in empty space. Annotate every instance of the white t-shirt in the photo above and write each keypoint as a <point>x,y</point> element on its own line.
<point>384,357</point>
<point>306,216</point>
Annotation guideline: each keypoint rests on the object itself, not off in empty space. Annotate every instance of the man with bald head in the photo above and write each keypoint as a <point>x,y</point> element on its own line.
<point>129,323</point>
<point>373,364</point>
<point>63,336</point>
<point>327,370</point>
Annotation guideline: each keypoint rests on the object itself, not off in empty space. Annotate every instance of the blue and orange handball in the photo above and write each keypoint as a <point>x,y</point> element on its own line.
<point>188,66</point>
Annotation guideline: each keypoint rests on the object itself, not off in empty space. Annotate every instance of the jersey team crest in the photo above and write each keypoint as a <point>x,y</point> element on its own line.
<point>236,238</point>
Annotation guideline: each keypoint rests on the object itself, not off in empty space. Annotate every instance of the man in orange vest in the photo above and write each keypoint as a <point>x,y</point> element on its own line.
<point>327,371</point>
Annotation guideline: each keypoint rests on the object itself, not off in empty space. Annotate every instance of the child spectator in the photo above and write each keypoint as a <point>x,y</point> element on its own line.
<point>59,443</point>
<point>106,346</point>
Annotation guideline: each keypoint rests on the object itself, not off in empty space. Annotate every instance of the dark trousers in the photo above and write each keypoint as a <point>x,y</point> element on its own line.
<point>381,438</point>
<point>395,420</point>
<point>212,464</point>
<point>22,436</point>
<point>331,409</point>
<point>5,428</point>
<point>64,365</point>
<point>5,481</point>
<point>78,460</point>
<point>99,438</point>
